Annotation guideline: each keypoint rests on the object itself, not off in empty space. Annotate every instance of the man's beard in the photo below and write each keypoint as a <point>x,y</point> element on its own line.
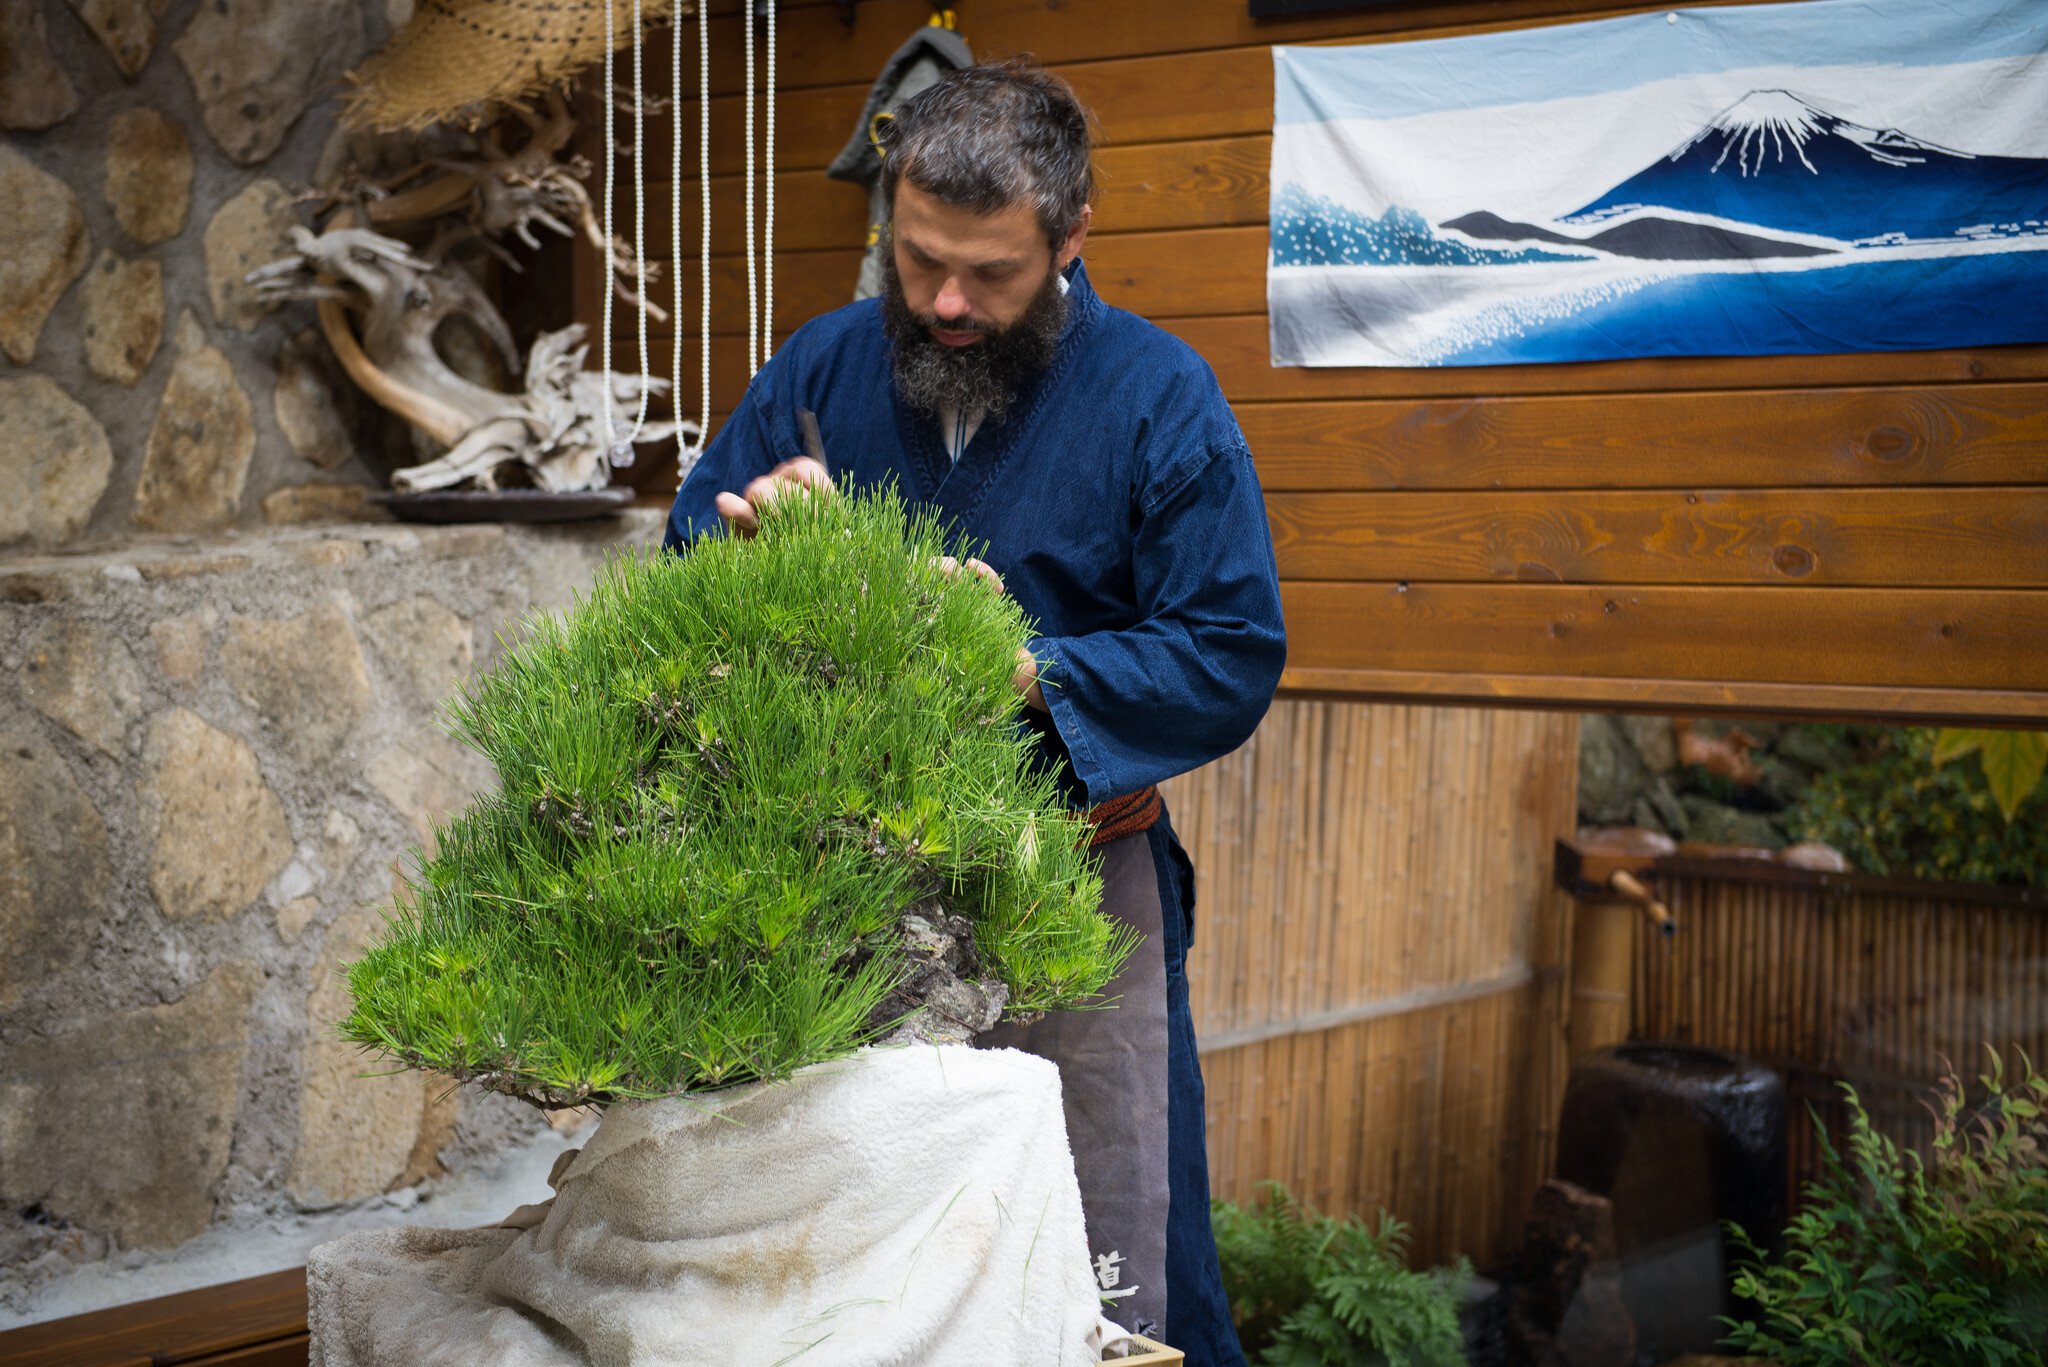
<point>982,377</point>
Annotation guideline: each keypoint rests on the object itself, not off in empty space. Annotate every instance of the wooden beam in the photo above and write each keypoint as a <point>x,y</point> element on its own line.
<point>1909,538</point>
<point>1682,440</point>
<point>1894,638</point>
<point>249,1322</point>
<point>1661,697</point>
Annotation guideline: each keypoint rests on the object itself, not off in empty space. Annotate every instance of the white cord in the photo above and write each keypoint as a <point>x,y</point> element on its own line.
<point>768,219</point>
<point>687,451</point>
<point>611,157</point>
<point>753,283</point>
<point>639,220</point>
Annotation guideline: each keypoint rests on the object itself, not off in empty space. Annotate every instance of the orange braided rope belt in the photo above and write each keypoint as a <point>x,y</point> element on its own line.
<point>1126,815</point>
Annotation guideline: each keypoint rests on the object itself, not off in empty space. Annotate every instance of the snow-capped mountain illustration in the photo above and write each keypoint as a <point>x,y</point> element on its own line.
<point>1775,162</point>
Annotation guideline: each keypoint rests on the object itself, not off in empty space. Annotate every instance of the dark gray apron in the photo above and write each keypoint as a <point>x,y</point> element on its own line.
<point>1113,1075</point>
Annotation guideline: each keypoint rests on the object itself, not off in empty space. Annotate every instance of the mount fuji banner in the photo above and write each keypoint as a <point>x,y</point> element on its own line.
<point>1826,176</point>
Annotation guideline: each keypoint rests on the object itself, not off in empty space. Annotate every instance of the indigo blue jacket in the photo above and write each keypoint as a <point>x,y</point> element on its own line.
<point>1117,500</point>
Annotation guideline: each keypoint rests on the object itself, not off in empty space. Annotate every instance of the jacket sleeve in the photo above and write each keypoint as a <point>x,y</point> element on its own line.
<point>1190,680</point>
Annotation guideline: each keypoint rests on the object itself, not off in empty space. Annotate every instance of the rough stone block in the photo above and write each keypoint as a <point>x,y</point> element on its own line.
<point>54,871</point>
<point>85,681</point>
<point>257,65</point>
<point>304,677</point>
<point>124,316</point>
<point>425,640</point>
<point>428,778</point>
<point>126,27</point>
<point>198,454</point>
<point>125,1126</point>
<point>34,91</point>
<point>217,832</point>
<point>252,229</point>
<point>149,175</point>
<point>316,404</point>
<point>302,503</point>
<point>47,247</point>
<point>356,1133</point>
<point>181,649</point>
<point>54,461</point>
<point>294,916</point>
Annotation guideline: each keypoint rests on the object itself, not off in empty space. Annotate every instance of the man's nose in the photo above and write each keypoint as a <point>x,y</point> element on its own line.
<point>951,303</point>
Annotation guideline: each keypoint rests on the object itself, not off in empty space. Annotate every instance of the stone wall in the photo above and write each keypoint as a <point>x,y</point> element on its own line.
<point>150,157</point>
<point>212,757</point>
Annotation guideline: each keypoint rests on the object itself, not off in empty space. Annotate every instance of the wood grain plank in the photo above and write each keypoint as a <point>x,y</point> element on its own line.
<point>1991,434</point>
<point>1250,386</point>
<point>189,1327</point>
<point>817,49</point>
<point>1662,697</point>
<point>1893,638</point>
<point>1237,350</point>
<point>1200,184</point>
<point>1909,538</point>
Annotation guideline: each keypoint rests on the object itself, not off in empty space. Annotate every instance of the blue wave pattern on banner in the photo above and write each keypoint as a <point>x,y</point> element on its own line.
<point>1311,230</point>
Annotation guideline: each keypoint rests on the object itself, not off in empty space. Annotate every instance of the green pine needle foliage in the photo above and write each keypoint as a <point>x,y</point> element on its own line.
<point>1898,1263</point>
<point>724,779</point>
<point>1309,1290</point>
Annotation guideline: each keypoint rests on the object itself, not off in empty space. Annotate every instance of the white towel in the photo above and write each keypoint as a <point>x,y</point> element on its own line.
<point>907,1206</point>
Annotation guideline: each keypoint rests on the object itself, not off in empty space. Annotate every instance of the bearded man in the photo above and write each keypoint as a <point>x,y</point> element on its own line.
<point>1095,458</point>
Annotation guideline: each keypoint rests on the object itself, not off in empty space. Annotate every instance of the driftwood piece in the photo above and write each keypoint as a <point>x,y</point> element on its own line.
<point>382,301</point>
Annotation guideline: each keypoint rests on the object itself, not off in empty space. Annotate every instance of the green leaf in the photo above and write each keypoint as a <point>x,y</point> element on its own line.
<point>2013,762</point>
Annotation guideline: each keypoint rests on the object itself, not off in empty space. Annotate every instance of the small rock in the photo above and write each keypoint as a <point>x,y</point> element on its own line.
<point>1653,741</point>
<point>1611,773</point>
<point>54,460</point>
<point>55,873</point>
<point>85,682</point>
<point>428,779</point>
<point>338,841</point>
<point>124,1126</point>
<point>252,229</point>
<point>303,503</point>
<point>198,454</point>
<point>34,91</point>
<point>149,175</point>
<point>356,1132</point>
<point>1715,823</point>
<point>317,406</point>
<point>127,28</point>
<point>294,916</point>
<point>216,830</point>
<point>181,649</point>
<point>124,316</point>
<point>47,247</point>
<point>1812,854</point>
<point>426,640</point>
<point>257,65</point>
<point>303,676</point>
<point>1816,748</point>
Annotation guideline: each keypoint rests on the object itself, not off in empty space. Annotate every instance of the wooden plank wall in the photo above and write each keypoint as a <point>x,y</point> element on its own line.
<point>1834,534</point>
<point>1379,960</point>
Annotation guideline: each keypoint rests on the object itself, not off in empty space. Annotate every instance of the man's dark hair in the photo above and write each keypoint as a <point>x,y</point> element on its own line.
<point>992,135</point>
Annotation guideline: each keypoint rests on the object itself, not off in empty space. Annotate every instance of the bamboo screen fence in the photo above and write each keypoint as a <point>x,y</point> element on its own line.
<point>1378,960</point>
<point>1833,979</point>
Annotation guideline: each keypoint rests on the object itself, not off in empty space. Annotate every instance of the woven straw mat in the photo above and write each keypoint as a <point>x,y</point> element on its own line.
<point>455,56</point>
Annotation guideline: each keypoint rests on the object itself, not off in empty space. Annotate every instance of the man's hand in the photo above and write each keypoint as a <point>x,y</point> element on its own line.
<point>1025,680</point>
<point>742,513</point>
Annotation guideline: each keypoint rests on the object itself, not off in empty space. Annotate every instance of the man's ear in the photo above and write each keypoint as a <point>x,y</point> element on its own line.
<point>1070,246</point>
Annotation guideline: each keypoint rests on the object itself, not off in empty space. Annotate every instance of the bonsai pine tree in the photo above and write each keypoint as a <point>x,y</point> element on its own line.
<point>760,803</point>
